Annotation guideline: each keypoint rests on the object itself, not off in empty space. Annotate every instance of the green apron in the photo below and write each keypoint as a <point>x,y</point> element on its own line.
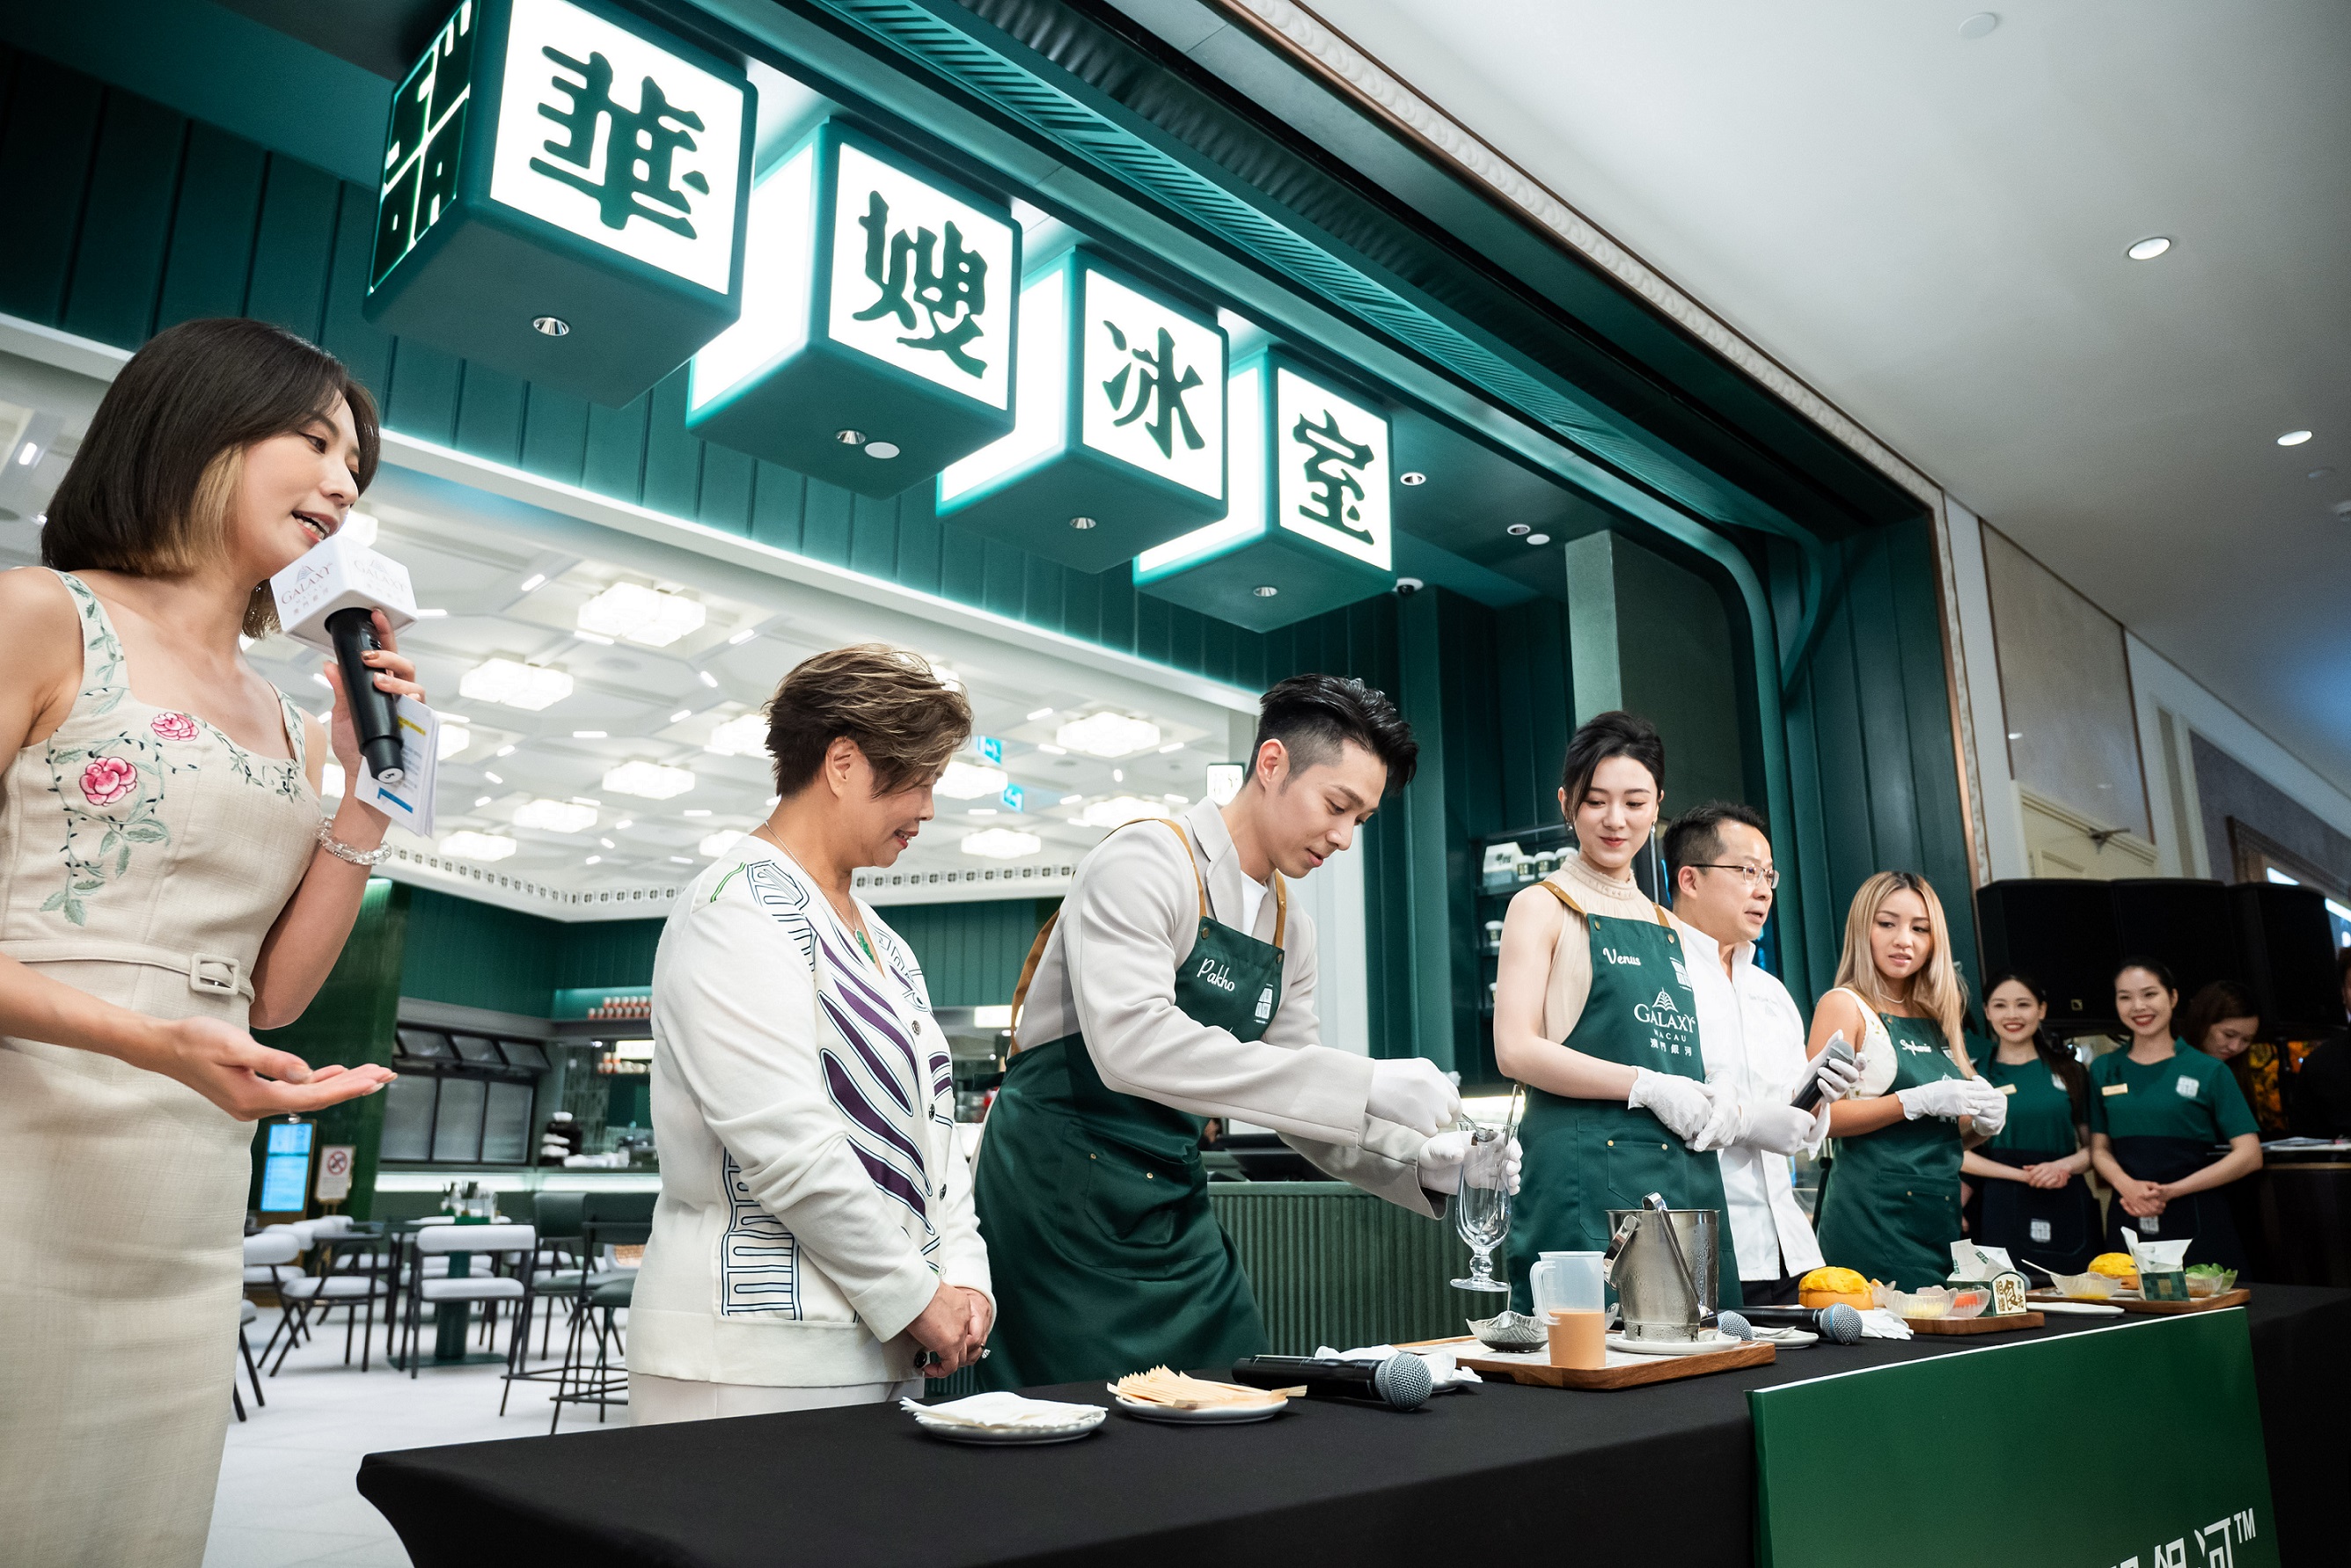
<point>1105,1255</point>
<point>2053,1227</point>
<point>1584,1157</point>
<point>1890,1201</point>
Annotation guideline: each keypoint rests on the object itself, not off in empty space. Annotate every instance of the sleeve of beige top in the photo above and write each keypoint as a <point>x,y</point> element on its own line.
<point>1129,919</point>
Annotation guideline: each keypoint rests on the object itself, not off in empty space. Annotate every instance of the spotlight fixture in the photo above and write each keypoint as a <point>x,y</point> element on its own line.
<point>884,450</point>
<point>1265,590</point>
<point>551,326</point>
<point>1413,477</point>
<point>2149,248</point>
<point>1082,524</point>
<point>1978,25</point>
<point>2294,438</point>
<point>1519,530</point>
<point>850,437</point>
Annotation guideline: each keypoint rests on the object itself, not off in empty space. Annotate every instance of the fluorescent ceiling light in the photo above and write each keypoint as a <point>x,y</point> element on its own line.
<point>743,736</point>
<point>1108,734</point>
<point>555,816</point>
<point>706,678</point>
<point>2281,878</point>
<point>536,580</point>
<point>654,780</point>
<point>529,687</point>
<point>642,614</point>
<point>1121,809</point>
<point>968,781</point>
<point>718,844</point>
<point>2294,438</point>
<point>1001,844</point>
<point>590,734</point>
<point>743,636</point>
<point>454,739</point>
<point>1171,746</point>
<point>475,846</point>
<point>1040,713</point>
<point>2148,248</point>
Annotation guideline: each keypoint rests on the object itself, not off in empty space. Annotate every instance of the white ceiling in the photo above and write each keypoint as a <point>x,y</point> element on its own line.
<point>1929,229</point>
<point>470,551</point>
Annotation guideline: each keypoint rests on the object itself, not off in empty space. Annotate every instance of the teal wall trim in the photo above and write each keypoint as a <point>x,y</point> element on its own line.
<point>350,1022</point>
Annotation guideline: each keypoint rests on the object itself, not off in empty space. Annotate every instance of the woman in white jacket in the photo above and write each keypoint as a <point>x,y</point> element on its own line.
<point>814,1244</point>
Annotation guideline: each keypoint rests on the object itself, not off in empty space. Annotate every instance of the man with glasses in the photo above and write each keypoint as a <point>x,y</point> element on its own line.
<point>1719,857</point>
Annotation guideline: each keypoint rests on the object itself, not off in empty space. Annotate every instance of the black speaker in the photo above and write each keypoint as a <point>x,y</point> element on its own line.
<point>2285,947</point>
<point>2185,921</point>
<point>2061,931</point>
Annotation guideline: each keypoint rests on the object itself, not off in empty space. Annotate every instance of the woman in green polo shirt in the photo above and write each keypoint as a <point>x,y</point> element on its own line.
<point>2157,1113</point>
<point>2035,1201</point>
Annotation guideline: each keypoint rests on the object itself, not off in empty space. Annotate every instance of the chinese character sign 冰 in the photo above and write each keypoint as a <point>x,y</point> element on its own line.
<point>614,140</point>
<point>921,280</point>
<point>1153,386</point>
<point>1331,469</point>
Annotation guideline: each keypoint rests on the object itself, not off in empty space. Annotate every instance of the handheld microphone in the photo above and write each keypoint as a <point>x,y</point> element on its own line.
<point>325,599</point>
<point>1836,1322</point>
<point>1400,1383</point>
<point>1809,1095</point>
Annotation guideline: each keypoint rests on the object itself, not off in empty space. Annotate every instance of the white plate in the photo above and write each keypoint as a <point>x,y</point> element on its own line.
<point>1212,1416</point>
<point>1786,1338</point>
<point>1013,1436</point>
<point>1712,1339</point>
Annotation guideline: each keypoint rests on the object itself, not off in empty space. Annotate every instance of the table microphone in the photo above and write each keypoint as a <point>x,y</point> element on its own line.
<point>327,599</point>
<point>1836,1322</point>
<point>1401,1382</point>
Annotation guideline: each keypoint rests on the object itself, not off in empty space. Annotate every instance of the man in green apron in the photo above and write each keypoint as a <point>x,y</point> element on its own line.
<point>1177,985</point>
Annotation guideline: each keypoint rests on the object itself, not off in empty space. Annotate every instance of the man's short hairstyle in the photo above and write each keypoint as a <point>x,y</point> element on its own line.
<point>1313,715</point>
<point>1695,837</point>
<point>904,719</point>
<point>150,489</point>
<point>1612,734</point>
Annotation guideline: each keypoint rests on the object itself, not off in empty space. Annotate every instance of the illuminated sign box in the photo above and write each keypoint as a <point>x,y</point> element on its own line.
<point>1309,528</point>
<point>877,339</point>
<point>1120,443</point>
<point>562,196</point>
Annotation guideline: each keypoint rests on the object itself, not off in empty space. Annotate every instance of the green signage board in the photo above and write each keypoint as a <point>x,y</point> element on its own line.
<point>562,196</point>
<point>1949,1458</point>
<point>1120,439</point>
<point>1308,529</point>
<point>879,320</point>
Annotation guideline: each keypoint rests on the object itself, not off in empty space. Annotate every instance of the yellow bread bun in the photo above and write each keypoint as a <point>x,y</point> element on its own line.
<point>2116,1265</point>
<point>1827,1287</point>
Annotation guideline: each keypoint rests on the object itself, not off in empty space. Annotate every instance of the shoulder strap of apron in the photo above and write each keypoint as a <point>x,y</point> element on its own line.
<point>1564,897</point>
<point>1045,932</point>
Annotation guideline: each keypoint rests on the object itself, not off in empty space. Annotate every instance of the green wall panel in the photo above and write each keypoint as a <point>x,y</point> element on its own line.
<point>479,956</point>
<point>49,122</point>
<point>293,246</point>
<point>126,216</point>
<point>970,953</point>
<point>606,953</point>
<point>212,220</point>
<point>351,1022</point>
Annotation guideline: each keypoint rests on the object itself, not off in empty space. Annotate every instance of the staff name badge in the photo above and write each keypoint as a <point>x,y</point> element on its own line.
<point>2110,1090</point>
<point>2008,1088</point>
<point>2186,1086</point>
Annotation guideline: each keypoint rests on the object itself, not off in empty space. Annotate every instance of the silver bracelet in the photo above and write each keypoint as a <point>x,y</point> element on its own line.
<point>343,852</point>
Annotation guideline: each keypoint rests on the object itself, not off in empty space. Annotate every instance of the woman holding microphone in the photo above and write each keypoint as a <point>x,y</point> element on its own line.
<point>2157,1113</point>
<point>1890,1200</point>
<point>2036,1203</point>
<point>165,880</point>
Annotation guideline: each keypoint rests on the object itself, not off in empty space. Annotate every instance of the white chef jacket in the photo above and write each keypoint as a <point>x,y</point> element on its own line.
<point>1753,1038</point>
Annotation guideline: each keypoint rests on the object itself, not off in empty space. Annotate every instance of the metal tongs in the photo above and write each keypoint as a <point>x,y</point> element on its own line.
<point>1655,1203</point>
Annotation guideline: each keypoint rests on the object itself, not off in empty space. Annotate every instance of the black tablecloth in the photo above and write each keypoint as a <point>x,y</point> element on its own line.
<point>1664,1473</point>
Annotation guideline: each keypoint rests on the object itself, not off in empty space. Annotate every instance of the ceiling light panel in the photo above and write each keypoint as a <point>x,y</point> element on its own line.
<point>555,816</point>
<point>512,683</point>
<point>475,846</point>
<point>1108,734</point>
<point>653,781</point>
<point>1001,844</point>
<point>743,737</point>
<point>1120,810</point>
<point>968,781</point>
<point>647,616</point>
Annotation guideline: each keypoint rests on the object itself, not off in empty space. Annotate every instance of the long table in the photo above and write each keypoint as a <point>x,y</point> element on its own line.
<point>1665,1473</point>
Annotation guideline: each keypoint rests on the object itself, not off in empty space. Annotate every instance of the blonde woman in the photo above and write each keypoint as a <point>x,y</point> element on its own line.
<point>1890,1204</point>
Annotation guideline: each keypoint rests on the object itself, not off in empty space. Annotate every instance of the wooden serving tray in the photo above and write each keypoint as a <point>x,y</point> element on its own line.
<point>1986,1323</point>
<point>1624,1370</point>
<point>2236,1298</point>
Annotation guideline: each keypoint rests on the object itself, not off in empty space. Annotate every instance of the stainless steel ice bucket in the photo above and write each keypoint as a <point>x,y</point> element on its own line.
<point>1655,1302</point>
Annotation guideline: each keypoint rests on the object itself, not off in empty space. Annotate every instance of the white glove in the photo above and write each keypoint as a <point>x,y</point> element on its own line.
<point>1989,1108</point>
<point>1441,1159</point>
<point>1950,1097</point>
<point>1783,1129</point>
<point>1411,1091</point>
<point>1836,1074</point>
<point>1690,1109</point>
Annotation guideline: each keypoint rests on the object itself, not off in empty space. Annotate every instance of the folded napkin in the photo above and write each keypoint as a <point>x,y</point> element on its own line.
<point>1443,1370</point>
<point>1879,1324</point>
<point>1001,1409</point>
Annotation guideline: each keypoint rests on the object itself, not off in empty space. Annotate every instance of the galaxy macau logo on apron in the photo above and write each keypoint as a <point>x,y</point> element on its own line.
<point>1669,1028</point>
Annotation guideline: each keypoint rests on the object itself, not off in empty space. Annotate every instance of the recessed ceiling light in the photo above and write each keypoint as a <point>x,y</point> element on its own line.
<point>1082,524</point>
<point>513,683</point>
<point>475,846</point>
<point>1171,746</point>
<point>705,811</point>
<point>2149,248</point>
<point>981,811</point>
<point>682,860</point>
<point>1978,25</point>
<point>1414,476</point>
<point>1519,530</point>
<point>1108,734</point>
<point>624,824</point>
<point>479,800</point>
<point>423,615</point>
<point>681,715</point>
<point>507,750</point>
<point>1001,844</point>
<point>555,816</point>
<point>742,637</point>
<point>535,580</point>
<point>1265,590</point>
<point>1538,539</point>
<point>1071,799</point>
<point>593,859</point>
<point>2294,438</point>
<point>1040,713</point>
<point>2318,472</point>
<point>850,437</point>
<point>492,777</point>
<point>967,782</point>
<point>551,326</point>
<point>588,735</point>
<point>642,614</point>
<point>708,679</point>
<point>884,450</point>
<point>608,844</point>
<point>650,781</point>
<point>1049,750</point>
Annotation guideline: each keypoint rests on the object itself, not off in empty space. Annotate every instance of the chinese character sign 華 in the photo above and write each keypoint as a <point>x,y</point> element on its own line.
<point>1331,469</point>
<point>921,280</point>
<point>1153,386</point>
<point>618,141</point>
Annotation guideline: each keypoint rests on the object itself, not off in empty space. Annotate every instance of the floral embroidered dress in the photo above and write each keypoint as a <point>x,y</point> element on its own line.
<point>143,857</point>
